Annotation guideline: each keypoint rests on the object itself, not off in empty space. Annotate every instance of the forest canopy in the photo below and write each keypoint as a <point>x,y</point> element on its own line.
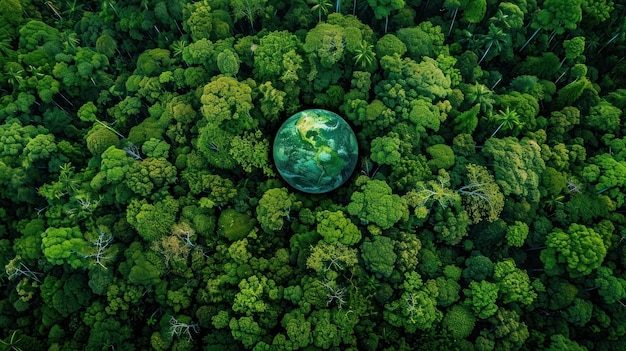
<point>140,207</point>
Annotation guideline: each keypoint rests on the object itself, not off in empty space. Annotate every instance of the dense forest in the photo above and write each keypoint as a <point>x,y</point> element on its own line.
<point>141,208</point>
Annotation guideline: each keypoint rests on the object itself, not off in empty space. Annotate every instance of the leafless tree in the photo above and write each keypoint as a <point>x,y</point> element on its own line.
<point>16,268</point>
<point>179,328</point>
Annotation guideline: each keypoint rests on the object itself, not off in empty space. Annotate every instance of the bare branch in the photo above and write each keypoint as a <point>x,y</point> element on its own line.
<point>16,268</point>
<point>334,293</point>
<point>178,328</point>
<point>101,244</point>
<point>133,151</point>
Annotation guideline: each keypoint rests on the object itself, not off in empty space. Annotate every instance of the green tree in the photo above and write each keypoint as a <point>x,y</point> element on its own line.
<point>481,298</point>
<point>152,174</point>
<point>597,11</point>
<point>383,8</point>
<point>447,287</point>
<point>141,268</point>
<point>474,11</point>
<point>514,283</point>
<point>580,249</point>
<point>214,144</point>
<point>251,152</point>
<point>560,342</point>
<point>375,203</point>
<point>152,221</point>
<point>272,102</point>
<point>28,245</point>
<point>482,198</point>
<point>246,330</point>
<point>559,15</point>
<point>66,295</point>
<point>274,206</point>
<point>297,328</point>
<point>249,9</point>
<point>516,234</point>
<point>226,103</point>
<point>442,157</point>
<point>255,294</point>
<point>510,332</point>
<point>87,113</point>
<point>228,63</point>
<point>459,322</point>
<point>579,313</point>
<point>611,288</point>
<point>379,255</point>
<point>153,62</point>
<point>40,150</point>
<point>100,139</point>
<point>63,245</point>
<point>198,20</point>
<point>467,121</point>
<point>334,226</point>
<point>336,257</point>
<point>603,117</point>
<point>479,268</point>
<point>416,307</point>
<point>479,94</point>
<point>271,53</point>
<point>386,149</point>
<point>331,42</point>
<point>389,45</point>
<point>325,332</point>
<point>35,33</point>
<point>518,165</point>
<point>234,225</point>
<point>106,45</point>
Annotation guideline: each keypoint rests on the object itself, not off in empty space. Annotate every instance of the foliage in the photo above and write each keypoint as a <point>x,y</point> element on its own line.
<point>376,204</point>
<point>580,249</point>
<point>334,226</point>
<point>140,209</point>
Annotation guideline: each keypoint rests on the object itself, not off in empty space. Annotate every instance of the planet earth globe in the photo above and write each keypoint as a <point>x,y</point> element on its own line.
<point>315,151</point>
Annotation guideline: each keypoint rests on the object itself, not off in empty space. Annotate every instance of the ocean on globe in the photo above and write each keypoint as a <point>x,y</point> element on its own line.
<point>315,151</point>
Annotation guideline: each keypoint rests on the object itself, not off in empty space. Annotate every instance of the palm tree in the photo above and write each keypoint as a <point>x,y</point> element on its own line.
<point>70,39</point>
<point>501,18</point>
<point>15,77</point>
<point>72,7</point>
<point>495,39</point>
<point>508,120</point>
<point>321,6</point>
<point>178,47</point>
<point>468,39</point>
<point>5,43</point>
<point>364,54</point>
<point>12,342</point>
<point>480,94</point>
<point>452,5</point>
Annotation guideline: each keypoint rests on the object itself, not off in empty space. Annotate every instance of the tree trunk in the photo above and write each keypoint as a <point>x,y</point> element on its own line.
<point>486,52</point>
<point>497,130</point>
<point>456,10</point>
<point>529,39</point>
<point>386,23</point>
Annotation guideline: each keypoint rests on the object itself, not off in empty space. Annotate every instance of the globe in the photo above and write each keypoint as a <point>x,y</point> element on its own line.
<point>315,151</point>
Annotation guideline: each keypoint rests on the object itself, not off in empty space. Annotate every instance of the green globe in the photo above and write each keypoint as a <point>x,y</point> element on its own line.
<point>315,151</point>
